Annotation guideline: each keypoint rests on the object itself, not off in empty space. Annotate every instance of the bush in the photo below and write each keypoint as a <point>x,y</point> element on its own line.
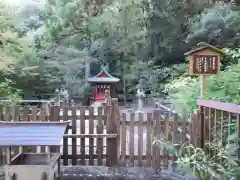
<point>10,93</point>
<point>212,161</point>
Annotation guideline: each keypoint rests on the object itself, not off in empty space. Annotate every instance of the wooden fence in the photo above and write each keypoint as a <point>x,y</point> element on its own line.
<point>139,131</point>
<point>90,139</point>
<point>109,136</point>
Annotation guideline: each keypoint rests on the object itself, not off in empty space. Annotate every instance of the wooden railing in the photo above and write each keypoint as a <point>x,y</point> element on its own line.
<point>218,118</point>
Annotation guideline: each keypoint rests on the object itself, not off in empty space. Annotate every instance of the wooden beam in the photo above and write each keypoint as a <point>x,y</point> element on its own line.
<point>90,135</point>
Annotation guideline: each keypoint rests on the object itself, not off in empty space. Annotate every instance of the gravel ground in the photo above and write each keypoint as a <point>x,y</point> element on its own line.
<point>125,173</point>
<point>117,173</point>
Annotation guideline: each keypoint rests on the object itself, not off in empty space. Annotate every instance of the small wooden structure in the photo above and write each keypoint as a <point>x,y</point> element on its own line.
<point>204,60</point>
<point>103,82</point>
<point>29,166</point>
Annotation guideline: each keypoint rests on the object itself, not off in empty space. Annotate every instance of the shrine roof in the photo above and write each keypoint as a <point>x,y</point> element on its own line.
<point>28,133</point>
<point>203,46</point>
<point>103,77</point>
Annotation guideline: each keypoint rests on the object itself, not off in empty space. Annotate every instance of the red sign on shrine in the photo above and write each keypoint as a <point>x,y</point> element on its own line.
<point>205,64</point>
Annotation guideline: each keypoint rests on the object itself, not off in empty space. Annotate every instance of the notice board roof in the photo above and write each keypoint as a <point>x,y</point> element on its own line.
<point>202,46</point>
<point>31,133</point>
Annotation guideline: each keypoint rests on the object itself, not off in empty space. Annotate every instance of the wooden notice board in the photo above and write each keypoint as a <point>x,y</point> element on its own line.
<point>205,64</point>
<point>204,60</point>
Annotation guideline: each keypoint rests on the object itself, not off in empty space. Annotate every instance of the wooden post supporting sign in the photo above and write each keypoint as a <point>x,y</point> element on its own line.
<point>204,61</point>
<point>203,82</point>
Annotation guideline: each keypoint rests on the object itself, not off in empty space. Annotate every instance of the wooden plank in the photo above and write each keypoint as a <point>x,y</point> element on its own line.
<point>117,128</point>
<point>99,139</point>
<point>33,117</point>
<point>215,125</point>
<point>26,118</point>
<point>205,137</point>
<point>51,113</point>
<point>159,131</point>
<point>74,140</point>
<point>207,122</point>
<point>175,139</point>
<point>221,122</point>
<point>34,114</point>
<point>202,126</point>
<point>65,139</point>
<point>56,113</point>
<point>25,113</point>
<point>229,125</point>
<point>175,129</point>
<point>123,140</point>
<point>82,131</point>
<point>54,116</point>
<point>149,141</point>
<point>166,136</point>
<point>109,131</point>
<point>191,130</point>
<point>140,139</point>
<point>161,122</point>
<point>91,140</point>
<point>132,132</point>
<point>16,116</point>
<point>198,128</point>
<point>1,113</point>
<point>42,117</point>
<point>238,132</point>
<point>112,144</point>
<point>210,124</point>
<point>8,113</point>
<point>227,107</point>
<point>155,146</point>
<point>79,156</point>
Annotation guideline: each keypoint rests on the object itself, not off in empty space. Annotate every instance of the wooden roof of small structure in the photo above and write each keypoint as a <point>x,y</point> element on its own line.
<point>103,77</point>
<point>202,46</point>
<point>28,133</point>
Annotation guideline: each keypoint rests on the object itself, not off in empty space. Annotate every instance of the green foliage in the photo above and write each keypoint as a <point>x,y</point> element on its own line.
<point>10,93</point>
<point>217,25</point>
<point>212,161</point>
<point>183,92</point>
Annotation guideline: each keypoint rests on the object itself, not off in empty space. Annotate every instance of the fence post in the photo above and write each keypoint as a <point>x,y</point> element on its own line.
<point>112,128</point>
<point>202,135</point>
<point>54,116</point>
<point>238,135</point>
<point>116,117</point>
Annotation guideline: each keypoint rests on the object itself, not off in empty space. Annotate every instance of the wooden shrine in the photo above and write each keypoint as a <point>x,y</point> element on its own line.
<point>104,86</point>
